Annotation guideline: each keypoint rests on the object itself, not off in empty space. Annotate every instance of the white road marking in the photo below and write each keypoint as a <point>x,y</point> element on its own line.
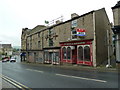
<point>82,78</point>
<point>35,70</point>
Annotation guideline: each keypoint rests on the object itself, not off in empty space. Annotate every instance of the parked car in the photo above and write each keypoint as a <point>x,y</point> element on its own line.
<point>5,59</point>
<point>12,60</point>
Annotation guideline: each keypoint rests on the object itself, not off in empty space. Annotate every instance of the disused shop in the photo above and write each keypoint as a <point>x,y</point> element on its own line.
<point>77,52</point>
<point>51,55</point>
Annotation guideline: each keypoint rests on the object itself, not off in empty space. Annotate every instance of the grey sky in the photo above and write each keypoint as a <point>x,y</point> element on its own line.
<point>18,14</point>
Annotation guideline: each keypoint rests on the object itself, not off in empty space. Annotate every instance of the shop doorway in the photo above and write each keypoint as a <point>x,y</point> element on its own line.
<point>74,55</point>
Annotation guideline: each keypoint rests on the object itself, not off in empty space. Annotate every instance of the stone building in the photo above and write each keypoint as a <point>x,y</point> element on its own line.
<point>6,49</point>
<point>81,40</point>
<point>28,41</point>
<point>116,29</point>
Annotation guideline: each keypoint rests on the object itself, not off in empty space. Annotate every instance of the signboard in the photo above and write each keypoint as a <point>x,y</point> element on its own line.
<point>81,32</point>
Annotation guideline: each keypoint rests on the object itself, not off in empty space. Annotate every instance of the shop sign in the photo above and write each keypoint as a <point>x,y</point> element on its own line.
<point>75,43</point>
<point>51,50</point>
<point>81,32</point>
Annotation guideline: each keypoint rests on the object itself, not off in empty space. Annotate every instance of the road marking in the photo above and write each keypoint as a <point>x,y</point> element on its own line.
<point>15,83</point>
<point>12,82</point>
<point>35,70</point>
<point>82,78</point>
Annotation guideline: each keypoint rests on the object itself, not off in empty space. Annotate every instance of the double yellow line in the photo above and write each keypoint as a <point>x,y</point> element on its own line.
<point>15,83</point>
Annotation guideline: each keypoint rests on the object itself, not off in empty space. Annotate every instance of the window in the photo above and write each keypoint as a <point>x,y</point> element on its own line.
<point>46,55</point>
<point>87,53</point>
<point>50,41</point>
<point>39,45</point>
<point>39,34</point>
<point>73,34</point>
<point>68,53</point>
<point>51,31</point>
<point>74,23</point>
<point>80,53</point>
<point>50,56</point>
<point>64,53</point>
<point>30,45</point>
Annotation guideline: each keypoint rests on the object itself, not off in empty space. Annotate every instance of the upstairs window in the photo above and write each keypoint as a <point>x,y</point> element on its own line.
<point>39,34</point>
<point>39,45</point>
<point>73,34</point>
<point>74,23</point>
<point>50,42</point>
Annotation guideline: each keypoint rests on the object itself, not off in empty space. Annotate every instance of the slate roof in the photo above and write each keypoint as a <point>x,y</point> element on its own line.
<point>117,5</point>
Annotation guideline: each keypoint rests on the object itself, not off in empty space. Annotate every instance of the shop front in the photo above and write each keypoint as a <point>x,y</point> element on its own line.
<point>51,56</point>
<point>77,52</point>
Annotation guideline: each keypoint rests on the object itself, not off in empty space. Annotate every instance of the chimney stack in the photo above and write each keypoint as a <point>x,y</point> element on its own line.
<point>73,15</point>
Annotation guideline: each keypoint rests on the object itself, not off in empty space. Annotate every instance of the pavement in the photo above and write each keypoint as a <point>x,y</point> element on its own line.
<point>77,67</point>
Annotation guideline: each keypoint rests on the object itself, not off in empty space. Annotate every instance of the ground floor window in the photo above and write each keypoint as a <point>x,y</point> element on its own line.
<point>84,53</point>
<point>46,54</point>
<point>68,53</point>
<point>80,53</point>
<point>87,53</point>
<point>55,56</point>
<point>51,57</point>
<point>64,53</point>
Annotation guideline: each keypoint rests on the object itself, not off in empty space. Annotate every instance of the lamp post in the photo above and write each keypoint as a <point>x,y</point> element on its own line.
<point>116,30</point>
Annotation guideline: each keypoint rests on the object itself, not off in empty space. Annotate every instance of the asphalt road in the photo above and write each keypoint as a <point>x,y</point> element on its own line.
<point>31,76</point>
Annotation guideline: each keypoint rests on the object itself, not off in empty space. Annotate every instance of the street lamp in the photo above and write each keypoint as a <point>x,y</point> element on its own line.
<point>116,31</point>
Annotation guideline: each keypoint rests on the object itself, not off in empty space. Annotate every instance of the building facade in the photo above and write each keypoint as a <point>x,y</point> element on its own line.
<point>116,29</point>
<point>6,49</point>
<point>81,40</point>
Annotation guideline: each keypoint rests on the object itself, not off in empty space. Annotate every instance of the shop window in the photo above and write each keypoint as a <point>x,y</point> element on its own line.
<point>80,53</point>
<point>64,53</point>
<point>46,56</point>
<point>87,53</point>
<point>56,57</point>
<point>68,53</point>
<point>50,56</point>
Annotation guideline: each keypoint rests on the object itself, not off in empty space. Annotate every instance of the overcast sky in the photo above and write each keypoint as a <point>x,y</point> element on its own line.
<point>18,14</point>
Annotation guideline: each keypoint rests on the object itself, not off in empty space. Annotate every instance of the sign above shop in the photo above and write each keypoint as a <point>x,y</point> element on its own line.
<point>81,32</point>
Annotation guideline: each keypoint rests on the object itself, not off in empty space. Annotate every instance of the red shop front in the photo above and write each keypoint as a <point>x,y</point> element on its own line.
<point>77,52</point>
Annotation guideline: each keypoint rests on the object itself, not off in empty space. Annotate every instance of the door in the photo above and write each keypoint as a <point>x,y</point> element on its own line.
<point>74,55</point>
<point>56,58</point>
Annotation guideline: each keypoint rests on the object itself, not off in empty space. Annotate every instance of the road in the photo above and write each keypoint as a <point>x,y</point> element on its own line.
<point>32,76</point>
